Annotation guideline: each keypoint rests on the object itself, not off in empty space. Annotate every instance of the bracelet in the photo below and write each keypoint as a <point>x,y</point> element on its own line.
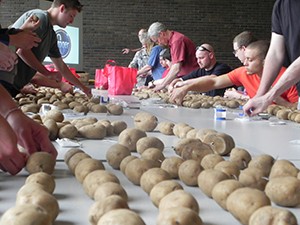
<point>10,112</point>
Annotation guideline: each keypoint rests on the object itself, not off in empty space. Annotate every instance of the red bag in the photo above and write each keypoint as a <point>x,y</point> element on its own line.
<point>121,80</point>
<point>101,80</point>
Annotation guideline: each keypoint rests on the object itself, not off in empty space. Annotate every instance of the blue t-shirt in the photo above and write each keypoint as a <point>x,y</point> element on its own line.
<point>153,61</point>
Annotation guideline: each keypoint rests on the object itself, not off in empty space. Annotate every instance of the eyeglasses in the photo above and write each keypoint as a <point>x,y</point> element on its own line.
<point>236,50</point>
<point>202,48</point>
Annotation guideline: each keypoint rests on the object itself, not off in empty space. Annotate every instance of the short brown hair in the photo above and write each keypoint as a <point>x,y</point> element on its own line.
<point>244,38</point>
<point>69,4</point>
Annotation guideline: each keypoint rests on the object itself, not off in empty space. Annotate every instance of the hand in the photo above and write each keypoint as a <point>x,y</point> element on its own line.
<point>55,75</point>
<point>177,95</point>
<point>32,136</point>
<point>256,105</point>
<point>172,84</point>
<point>28,89</point>
<point>159,87</point>
<point>7,58</point>
<point>125,50</point>
<point>24,40</point>
<point>31,24</point>
<point>66,87</point>
<point>12,160</point>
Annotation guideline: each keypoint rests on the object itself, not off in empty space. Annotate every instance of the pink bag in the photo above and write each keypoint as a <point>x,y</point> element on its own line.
<point>121,80</point>
<point>101,80</point>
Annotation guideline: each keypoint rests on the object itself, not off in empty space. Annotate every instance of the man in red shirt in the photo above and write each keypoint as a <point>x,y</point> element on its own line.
<point>248,76</point>
<point>182,51</point>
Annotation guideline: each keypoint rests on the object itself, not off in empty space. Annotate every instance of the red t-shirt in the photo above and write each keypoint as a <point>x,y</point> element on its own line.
<point>183,50</point>
<point>239,77</point>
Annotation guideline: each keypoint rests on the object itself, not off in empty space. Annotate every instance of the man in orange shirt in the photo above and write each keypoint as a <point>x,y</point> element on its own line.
<point>248,76</point>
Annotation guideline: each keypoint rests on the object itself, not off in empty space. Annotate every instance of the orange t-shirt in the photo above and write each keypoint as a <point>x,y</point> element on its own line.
<point>239,77</point>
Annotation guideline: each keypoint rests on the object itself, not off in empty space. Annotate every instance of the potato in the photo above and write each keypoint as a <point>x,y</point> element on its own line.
<point>203,132</point>
<point>108,189</point>
<point>118,126</point>
<point>284,191</point>
<point>179,198</point>
<point>163,188</point>
<point>180,129</point>
<point>71,152</point>
<point>22,214</point>
<point>244,201</point>
<point>96,178</point>
<point>166,128</point>
<point>269,215</point>
<point>263,162</point>
<point>192,148</point>
<point>54,114</point>
<point>109,128</point>
<point>136,167</point>
<point>125,161</point>
<point>207,179</point>
<point>40,162</point>
<point>115,109</point>
<point>121,216</point>
<point>52,128</point>
<point>75,159</point>
<point>32,107</point>
<point>99,208</point>
<point>98,108</point>
<point>220,143</point>
<point>223,189</point>
<point>85,166</point>
<point>192,133</point>
<point>115,154</point>
<point>178,215</point>
<point>230,168</point>
<point>149,142</point>
<point>151,177</point>
<point>240,156</point>
<point>40,198</point>
<point>171,165</point>
<point>188,172</point>
<point>282,168</point>
<point>145,121</point>
<point>81,109</point>
<point>209,161</point>
<point>44,179</point>
<point>130,136</point>
<point>68,131</point>
<point>92,131</point>
<point>253,177</point>
<point>154,154</point>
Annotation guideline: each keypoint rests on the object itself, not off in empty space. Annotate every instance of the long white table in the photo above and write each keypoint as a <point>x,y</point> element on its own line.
<point>257,136</point>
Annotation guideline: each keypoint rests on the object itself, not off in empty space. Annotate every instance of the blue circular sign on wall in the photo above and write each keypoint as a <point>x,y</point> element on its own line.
<point>63,42</point>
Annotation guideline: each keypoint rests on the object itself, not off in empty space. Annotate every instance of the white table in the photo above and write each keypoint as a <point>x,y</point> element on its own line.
<point>257,136</point>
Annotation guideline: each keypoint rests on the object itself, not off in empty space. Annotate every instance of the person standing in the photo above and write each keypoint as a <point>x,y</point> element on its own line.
<point>61,13</point>
<point>182,52</point>
<point>284,50</point>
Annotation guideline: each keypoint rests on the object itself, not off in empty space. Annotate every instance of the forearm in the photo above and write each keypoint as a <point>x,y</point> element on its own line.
<point>273,64</point>
<point>144,70</point>
<point>29,58</point>
<point>281,101</point>
<point>174,70</point>
<point>7,105</point>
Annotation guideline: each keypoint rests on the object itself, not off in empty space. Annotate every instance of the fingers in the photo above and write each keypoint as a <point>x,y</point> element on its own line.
<point>13,165</point>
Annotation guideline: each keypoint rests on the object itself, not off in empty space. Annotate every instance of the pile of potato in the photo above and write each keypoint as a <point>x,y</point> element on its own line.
<point>192,100</point>
<point>242,185</point>
<point>78,102</point>
<point>86,127</point>
<point>103,187</point>
<point>35,202</point>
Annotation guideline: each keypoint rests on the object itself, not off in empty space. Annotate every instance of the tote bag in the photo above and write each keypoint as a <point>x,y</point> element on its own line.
<point>121,80</point>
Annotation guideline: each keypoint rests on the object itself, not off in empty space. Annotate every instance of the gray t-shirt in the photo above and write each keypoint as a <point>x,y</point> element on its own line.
<point>22,74</point>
